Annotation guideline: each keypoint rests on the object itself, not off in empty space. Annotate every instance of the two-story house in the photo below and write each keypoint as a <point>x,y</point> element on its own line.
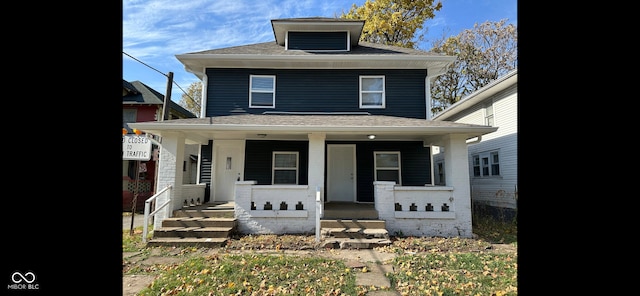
<point>141,103</point>
<point>317,116</point>
<point>493,158</point>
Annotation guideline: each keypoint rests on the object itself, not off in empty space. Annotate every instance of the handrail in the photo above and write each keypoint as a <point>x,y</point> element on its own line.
<point>319,212</point>
<point>147,208</point>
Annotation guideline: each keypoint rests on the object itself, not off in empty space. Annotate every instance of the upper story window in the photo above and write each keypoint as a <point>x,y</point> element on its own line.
<point>387,166</point>
<point>372,92</point>
<point>486,164</point>
<point>128,115</point>
<point>317,41</point>
<point>262,91</point>
<point>488,115</point>
<point>285,167</point>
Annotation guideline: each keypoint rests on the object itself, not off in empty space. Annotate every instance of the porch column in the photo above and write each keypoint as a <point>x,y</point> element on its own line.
<point>456,161</point>
<point>170,173</point>
<point>316,161</point>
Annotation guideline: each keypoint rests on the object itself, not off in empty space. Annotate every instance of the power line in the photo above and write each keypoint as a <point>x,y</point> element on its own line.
<point>165,75</point>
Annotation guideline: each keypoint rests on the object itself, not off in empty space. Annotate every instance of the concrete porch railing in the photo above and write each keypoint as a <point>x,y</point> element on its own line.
<point>422,210</point>
<point>275,209</point>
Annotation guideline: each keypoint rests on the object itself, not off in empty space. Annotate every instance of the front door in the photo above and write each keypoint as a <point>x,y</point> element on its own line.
<point>229,163</point>
<point>341,172</point>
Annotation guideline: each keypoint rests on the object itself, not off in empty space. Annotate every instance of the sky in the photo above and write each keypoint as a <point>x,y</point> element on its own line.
<point>155,31</point>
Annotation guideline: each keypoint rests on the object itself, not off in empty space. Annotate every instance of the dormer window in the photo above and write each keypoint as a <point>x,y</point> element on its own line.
<point>318,41</point>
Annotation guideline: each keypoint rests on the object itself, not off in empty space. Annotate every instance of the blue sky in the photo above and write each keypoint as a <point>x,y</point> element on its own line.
<point>155,31</point>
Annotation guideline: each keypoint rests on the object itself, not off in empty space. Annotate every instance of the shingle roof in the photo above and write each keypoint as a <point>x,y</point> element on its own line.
<point>315,120</point>
<point>272,48</point>
<point>141,93</point>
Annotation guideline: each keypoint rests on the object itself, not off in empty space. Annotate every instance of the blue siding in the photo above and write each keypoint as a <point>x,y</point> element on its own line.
<point>259,155</point>
<point>414,162</point>
<point>317,40</point>
<point>316,90</point>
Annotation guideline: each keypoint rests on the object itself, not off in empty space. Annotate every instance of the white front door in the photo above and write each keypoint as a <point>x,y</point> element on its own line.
<point>341,172</point>
<point>229,165</point>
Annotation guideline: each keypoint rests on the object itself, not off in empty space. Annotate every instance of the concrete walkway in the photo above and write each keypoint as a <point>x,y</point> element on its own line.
<point>138,220</point>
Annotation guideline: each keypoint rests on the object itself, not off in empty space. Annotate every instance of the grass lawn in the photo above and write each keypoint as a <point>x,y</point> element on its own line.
<point>422,266</point>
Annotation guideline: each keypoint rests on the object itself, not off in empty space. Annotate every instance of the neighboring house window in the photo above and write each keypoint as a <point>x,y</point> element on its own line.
<point>285,167</point>
<point>372,92</point>
<point>486,164</point>
<point>262,91</point>
<point>488,115</point>
<point>128,115</point>
<point>387,166</point>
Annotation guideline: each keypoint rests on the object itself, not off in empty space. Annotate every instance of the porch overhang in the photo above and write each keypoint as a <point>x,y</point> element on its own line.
<point>297,127</point>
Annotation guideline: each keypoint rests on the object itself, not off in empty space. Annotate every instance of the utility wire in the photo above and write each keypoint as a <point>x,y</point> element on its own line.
<point>165,75</point>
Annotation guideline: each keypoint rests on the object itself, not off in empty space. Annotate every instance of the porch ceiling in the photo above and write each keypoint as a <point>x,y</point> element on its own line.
<point>297,127</point>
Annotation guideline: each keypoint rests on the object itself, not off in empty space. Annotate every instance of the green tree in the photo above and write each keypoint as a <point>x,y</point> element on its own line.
<point>484,53</point>
<point>393,22</point>
<point>191,100</point>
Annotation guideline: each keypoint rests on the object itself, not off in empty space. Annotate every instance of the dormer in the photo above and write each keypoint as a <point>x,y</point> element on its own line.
<point>317,34</point>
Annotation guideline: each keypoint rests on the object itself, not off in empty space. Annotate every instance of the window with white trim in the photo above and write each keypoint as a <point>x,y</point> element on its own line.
<point>262,91</point>
<point>387,166</point>
<point>285,167</point>
<point>486,164</point>
<point>488,115</point>
<point>372,92</point>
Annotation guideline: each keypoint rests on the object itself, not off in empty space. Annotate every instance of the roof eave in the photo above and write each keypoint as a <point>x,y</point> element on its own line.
<point>196,63</point>
<point>158,128</point>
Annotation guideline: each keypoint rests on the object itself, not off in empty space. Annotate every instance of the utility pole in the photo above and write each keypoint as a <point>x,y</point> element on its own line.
<point>167,98</point>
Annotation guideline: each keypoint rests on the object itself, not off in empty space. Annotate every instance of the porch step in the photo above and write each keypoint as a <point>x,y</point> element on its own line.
<point>199,222</point>
<point>354,233</point>
<point>206,213</point>
<point>349,212</point>
<point>197,232</point>
<point>352,223</point>
<point>358,243</point>
<point>206,242</point>
<point>208,225</point>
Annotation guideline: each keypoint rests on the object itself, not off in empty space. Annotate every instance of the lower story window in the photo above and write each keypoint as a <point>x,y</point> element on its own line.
<point>285,167</point>
<point>387,166</point>
<point>486,164</point>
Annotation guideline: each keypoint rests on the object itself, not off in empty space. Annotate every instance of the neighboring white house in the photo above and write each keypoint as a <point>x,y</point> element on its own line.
<point>493,158</point>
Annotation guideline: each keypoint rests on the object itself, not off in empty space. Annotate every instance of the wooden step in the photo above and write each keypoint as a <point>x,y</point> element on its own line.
<point>204,212</point>
<point>352,223</point>
<point>205,242</point>
<point>365,233</point>
<point>198,222</point>
<point>348,243</point>
<point>195,232</point>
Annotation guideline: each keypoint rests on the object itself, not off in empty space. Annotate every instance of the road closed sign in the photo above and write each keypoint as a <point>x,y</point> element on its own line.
<point>136,148</point>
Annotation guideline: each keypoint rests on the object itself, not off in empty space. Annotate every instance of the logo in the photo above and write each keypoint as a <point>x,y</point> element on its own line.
<point>23,281</point>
